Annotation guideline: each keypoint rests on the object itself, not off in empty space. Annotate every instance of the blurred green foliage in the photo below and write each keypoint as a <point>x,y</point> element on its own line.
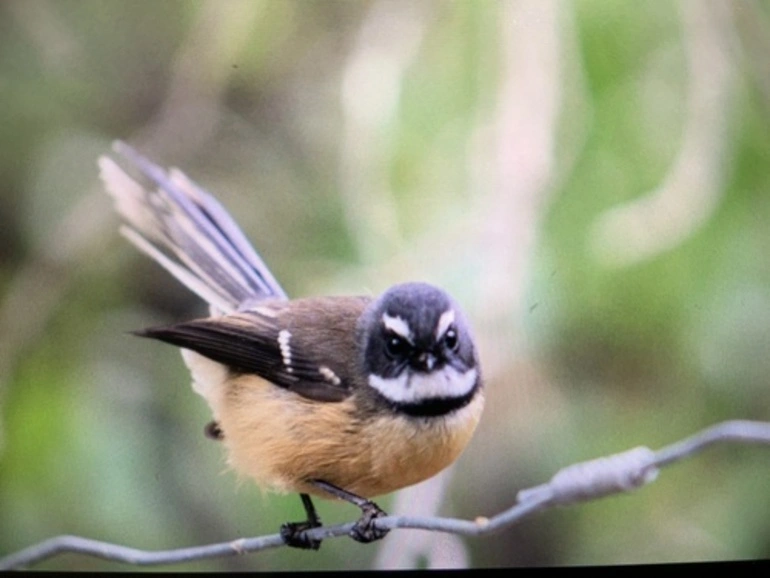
<point>590,179</point>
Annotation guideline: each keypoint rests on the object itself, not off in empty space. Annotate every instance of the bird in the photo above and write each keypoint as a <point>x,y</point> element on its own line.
<point>335,397</point>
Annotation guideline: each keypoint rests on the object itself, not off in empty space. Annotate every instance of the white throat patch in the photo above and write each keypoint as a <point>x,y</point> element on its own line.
<point>414,387</point>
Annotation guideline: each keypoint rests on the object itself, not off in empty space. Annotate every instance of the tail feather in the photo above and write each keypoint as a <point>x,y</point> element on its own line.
<point>187,232</point>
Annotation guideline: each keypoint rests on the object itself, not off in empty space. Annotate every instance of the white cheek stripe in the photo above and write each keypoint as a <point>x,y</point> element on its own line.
<point>446,319</point>
<point>397,325</point>
<point>406,388</point>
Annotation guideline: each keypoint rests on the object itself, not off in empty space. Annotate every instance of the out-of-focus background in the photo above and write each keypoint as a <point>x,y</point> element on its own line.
<point>589,179</point>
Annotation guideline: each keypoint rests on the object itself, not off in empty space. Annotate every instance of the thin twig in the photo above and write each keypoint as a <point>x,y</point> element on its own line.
<point>580,482</point>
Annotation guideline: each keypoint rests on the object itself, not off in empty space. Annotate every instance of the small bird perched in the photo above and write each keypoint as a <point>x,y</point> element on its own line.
<point>335,397</point>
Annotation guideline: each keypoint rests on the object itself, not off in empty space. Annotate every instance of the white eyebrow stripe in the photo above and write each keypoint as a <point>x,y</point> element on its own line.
<point>446,319</point>
<point>397,325</point>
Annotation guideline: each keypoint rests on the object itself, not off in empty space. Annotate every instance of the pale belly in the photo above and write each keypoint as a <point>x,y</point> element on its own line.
<point>281,440</point>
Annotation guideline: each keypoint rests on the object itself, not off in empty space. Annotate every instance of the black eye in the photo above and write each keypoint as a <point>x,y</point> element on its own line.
<point>451,342</point>
<point>396,347</point>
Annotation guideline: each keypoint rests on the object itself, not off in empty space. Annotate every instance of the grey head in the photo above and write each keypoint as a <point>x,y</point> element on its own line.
<point>418,351</point>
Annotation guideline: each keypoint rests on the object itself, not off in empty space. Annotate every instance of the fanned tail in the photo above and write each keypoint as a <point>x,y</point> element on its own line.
<point>188,232</point>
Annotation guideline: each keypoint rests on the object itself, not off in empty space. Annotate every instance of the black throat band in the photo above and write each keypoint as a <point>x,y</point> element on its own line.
<point>434,406</point>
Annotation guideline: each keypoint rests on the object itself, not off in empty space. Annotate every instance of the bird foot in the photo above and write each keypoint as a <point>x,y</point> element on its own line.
<point>364,530</point>
<point>295,535</point>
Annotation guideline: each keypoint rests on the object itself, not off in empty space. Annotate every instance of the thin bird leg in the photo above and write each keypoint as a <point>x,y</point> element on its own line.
<point>364,530</point>
<point>293,533</point>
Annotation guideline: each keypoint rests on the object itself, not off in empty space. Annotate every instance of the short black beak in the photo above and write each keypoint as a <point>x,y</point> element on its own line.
<point>425,361</point>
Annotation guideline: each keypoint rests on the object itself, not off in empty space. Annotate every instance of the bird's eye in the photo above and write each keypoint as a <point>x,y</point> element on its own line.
<point>396,347</point>
<point>451,342</point>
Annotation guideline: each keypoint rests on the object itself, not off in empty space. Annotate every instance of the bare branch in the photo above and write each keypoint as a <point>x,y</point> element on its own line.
<point>580,482</point>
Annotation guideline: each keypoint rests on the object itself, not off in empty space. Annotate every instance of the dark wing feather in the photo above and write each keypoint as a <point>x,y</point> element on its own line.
<point>249,343</point>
